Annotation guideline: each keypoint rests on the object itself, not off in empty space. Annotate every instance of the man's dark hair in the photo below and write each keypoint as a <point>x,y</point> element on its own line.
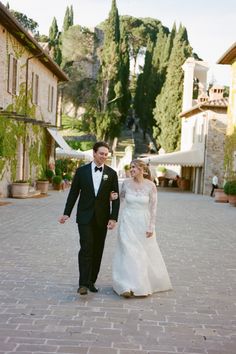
<point>99,144</point>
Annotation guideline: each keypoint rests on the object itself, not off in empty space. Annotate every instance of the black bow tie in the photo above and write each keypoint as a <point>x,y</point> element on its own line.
<point>98,169</point>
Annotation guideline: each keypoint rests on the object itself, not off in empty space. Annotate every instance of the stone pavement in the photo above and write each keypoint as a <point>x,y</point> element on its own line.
<point>40,311</point>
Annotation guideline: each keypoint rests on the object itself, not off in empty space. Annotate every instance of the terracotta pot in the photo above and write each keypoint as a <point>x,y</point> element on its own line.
<point>220,196</point>
<point>42,186</point>
<point>232,200</point>
<point>57,187</point>
<point>184,184</point>
<point>19,190</point>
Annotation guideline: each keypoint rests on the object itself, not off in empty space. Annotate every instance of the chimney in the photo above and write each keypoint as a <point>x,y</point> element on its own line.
<point>216,92</point>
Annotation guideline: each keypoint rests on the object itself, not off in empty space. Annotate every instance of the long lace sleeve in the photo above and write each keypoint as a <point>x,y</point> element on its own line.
<point>152,207</point>
<point>122,192</point>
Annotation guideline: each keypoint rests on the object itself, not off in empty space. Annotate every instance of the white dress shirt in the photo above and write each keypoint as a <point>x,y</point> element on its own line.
<point>97,177</point>
<point>215,180</point>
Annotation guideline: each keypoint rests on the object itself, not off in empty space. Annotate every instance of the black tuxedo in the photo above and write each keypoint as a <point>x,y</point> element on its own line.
<point>93,213</point>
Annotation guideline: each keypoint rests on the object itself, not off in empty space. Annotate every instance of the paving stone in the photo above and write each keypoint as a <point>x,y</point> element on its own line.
<point>41,312</point>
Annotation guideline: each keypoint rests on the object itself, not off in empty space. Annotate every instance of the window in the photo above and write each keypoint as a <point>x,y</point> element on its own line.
<point>12,82</point>
<point>35,88</point>
<point>50,98</point>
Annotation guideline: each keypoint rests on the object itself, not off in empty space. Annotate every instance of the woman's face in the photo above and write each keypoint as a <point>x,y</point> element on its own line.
<point>135,171</point>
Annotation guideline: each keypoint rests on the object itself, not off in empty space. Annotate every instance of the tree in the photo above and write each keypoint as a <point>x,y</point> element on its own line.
<point>54,42</point>
<point>68,18</point>
<point>124,73</point>
<point>169,102</point>
<point>53,32</point>
<point>28,23</point>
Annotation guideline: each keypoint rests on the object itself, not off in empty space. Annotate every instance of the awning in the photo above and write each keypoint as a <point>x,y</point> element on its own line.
<point>74,154</point>
<point>59,138</point>
<point>194,158</point>
<point>65,151</point>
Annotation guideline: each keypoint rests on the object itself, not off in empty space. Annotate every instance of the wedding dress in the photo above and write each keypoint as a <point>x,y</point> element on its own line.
<point>138,266</point>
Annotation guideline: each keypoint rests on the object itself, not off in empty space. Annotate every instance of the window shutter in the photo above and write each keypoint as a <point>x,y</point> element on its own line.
<point>10,70</point>
<point>17,77</point>
<point>52,98</point>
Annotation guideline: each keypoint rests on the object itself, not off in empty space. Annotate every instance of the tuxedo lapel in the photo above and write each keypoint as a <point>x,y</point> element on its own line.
<point>89,177</point>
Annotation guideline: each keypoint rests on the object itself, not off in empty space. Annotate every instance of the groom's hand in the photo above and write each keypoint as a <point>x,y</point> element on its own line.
<point>63,219</point>
<point>149,234</point>
<point>111,224</point>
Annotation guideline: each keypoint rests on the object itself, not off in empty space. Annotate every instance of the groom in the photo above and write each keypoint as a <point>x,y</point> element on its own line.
<point>93,184</point>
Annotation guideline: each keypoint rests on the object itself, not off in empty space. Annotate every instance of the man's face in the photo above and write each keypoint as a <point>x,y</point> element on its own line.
<point>100,155</point>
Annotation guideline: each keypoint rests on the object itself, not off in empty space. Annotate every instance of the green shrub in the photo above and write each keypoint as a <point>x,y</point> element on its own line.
<point>58,171</point>
<point>49,173</point>
<point>161,169</point>
<point>56,179</point>
<point>230,187</point>
<point>81,145</point>
<point>67,176</point>
<point>127,167</point>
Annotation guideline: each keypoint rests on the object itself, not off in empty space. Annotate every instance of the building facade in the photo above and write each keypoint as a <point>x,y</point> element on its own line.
<point>229,58</point>
<point>28,104</point>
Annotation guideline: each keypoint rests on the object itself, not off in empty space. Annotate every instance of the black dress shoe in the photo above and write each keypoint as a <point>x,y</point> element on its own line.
<point>92,288</point>
<point>82,290</point>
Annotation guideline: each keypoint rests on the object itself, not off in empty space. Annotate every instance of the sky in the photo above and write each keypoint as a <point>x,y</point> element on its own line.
<point>210,23</point>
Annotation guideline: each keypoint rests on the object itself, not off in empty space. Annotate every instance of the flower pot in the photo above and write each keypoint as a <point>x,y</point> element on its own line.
<point>57,187</point>
<point>232,199</point>
<point>220,196</point>
<point>184,184</point>
<point>19,190</point>
<point>42,186</point>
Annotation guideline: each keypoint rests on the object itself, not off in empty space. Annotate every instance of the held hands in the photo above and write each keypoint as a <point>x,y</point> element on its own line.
<point>111,224</point>
<point>149,234</point>
<point>63,219</point>
<point>113,196</point>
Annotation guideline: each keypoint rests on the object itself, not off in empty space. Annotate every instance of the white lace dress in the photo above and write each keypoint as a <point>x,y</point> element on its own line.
<point>138,265</point>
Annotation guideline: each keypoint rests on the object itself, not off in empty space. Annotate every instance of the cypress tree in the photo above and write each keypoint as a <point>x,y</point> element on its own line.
<point>67,20</point>
<point>53,32</point>
<point>145,113</point>
<point>124,101</point>
<point>169,102</point>
<point>71,16</point>
<point>110,58</point>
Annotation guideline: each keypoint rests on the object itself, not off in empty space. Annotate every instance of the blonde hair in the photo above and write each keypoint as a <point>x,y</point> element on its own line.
<point>143,166</point>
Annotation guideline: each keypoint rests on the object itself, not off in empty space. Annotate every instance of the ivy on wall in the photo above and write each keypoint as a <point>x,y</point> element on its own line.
<point>230,147</point>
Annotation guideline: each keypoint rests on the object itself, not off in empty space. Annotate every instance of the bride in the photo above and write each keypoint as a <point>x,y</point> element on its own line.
<point>138,266</point>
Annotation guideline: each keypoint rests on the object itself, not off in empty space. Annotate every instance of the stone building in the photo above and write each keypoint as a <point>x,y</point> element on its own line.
<point>203,130</point>
<point>229,58</point>
<point>28,104</point>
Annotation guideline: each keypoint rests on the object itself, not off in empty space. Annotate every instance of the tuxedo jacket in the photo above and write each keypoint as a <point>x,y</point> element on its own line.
<point>90,205</point>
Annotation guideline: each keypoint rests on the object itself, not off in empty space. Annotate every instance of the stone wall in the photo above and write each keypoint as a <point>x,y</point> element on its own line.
<point>214,153</point>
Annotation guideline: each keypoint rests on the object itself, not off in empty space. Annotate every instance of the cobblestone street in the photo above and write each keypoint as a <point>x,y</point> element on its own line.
<point>40,311</point>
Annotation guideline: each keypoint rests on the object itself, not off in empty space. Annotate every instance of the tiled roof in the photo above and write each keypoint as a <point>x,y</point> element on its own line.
<point>23,36</point>
<point>218,103</point>
<point>229,56</point>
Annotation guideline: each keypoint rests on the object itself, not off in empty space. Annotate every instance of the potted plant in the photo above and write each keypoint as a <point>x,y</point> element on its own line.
<point>20,189</point>
<point>230,190</point>
<point>57,181</point>
<point>42,183</point>
<point>49,174</point>
<point>221,196</point>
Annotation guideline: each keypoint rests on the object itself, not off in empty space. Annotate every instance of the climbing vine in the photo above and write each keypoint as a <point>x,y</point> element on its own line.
<point>230,147</point>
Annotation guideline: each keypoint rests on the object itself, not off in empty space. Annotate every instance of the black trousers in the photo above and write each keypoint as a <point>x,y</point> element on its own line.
<point>214,186</point>
<point>92,239</point>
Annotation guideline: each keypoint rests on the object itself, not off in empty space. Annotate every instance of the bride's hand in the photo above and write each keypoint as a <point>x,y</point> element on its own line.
<point>113,195</point>
<point>149,234</point>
